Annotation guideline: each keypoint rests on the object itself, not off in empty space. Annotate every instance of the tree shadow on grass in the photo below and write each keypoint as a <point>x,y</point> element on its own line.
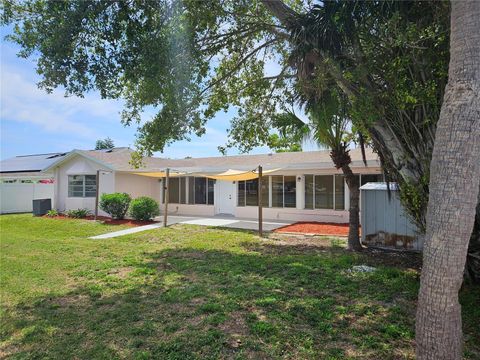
<point>268,302</point>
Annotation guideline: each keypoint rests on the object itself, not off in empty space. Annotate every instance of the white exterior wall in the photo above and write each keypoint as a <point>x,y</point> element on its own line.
<point>189,209</point>
<point>137,185</point>
<point>292,214</point>
<point>81,166</point>
<point>271,213</point>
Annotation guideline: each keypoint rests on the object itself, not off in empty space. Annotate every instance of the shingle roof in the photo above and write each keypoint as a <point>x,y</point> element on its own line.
<point>29,163</point>
<point>119,160</point>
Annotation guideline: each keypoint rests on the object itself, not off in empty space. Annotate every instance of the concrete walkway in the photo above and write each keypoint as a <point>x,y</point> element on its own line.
<point>216,221</point>
<point>127,231</point>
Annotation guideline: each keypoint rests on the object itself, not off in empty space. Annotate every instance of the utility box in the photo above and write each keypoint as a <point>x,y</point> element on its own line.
<point>384,221</point>
<point>41,206</point>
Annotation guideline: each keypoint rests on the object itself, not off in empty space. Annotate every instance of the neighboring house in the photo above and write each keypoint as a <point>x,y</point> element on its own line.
<point>22,180</point>
<point>302,186</point>
<point>28,168</point>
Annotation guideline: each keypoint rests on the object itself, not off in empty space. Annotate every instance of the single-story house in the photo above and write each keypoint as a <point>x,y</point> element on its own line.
<point>301,186</point>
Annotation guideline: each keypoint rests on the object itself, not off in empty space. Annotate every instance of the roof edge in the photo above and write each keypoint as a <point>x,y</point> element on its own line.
<point>71,154</point>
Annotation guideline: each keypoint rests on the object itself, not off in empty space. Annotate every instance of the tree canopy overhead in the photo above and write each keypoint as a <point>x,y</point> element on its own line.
<point>192,59</point>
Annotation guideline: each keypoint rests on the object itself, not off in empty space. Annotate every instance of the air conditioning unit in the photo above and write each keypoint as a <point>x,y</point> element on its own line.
<point>41,206</point>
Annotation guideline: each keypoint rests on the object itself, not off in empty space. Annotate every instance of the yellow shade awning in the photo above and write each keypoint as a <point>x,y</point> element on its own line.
<point>158,174</point>
<point>229,175</point>
<point>237,175</point>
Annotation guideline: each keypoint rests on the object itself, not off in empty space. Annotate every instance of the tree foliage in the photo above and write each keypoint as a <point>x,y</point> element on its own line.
<point>190,59</point>
<point>106,143</point>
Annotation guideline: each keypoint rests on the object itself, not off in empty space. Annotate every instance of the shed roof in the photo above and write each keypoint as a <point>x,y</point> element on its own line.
<point>379,186</point>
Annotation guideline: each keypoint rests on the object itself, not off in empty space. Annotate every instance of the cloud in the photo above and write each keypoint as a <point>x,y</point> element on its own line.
<point>22,101</point>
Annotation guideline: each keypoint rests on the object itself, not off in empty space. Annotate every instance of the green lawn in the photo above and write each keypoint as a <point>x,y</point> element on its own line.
<point>196,293</point>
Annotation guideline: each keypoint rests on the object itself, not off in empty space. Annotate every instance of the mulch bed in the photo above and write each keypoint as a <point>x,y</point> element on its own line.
<point>108,221</point>
<point>317,228</point>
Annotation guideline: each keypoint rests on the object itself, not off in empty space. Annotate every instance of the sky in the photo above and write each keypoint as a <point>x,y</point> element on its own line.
<point>34,122</point>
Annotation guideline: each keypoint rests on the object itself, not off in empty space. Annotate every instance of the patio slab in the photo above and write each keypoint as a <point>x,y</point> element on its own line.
<point>215,221</point>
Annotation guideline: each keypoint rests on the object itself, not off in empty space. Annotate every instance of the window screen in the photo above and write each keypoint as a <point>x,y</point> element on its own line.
<point>211,191</point>
<point>191,190</point>
<point>241,193</point>
<point>323,192</point>
<point>200,190</point>
<point>82,185</point>
<point>290,192</point>
<point>277,191</point>
<point>251,192</point>
<point>309,190</point>
<point>339,192</point>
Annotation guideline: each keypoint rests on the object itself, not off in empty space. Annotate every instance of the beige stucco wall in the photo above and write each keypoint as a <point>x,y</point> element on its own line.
<point>79,165</point>
<point>137,185</point>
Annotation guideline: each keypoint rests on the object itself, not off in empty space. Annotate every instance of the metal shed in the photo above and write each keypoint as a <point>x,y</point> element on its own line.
<point>384,221</point>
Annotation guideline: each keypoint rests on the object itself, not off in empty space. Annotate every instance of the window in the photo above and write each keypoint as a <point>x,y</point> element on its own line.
<point>277,191</point>
<point>248,192</point>
<point>174,190</point>
<point>82,185</point>
<point>241,193</point>
<point>200,190</point>
<point>339,192</point>
<point>309,190</point>
<point>323,191</point>
<point>251,192</point>
<point>191,190</point>
<point>211,193</point>
<point>290,191</point>
<point>265,192</point>
<point>183,190</point>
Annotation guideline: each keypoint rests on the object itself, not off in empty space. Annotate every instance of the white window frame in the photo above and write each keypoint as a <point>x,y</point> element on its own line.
<point>187,186</point>
<point>333,193</point>
<point>83,176</point>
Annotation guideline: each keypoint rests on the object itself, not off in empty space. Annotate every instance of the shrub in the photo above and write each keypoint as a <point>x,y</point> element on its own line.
<point>78,213</point>
<point>115,204</point>
<point>52,213</point>
<point>143,208</point>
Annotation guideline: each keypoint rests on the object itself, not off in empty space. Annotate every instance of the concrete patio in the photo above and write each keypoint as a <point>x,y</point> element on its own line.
<point>224,221</point>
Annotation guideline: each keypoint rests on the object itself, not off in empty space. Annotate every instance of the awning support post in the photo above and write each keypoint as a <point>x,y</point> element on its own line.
<point>97,194</point>
<point>260,208</point>
<point>166,187</point>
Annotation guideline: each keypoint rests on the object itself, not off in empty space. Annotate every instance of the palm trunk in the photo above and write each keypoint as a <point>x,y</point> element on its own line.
<point>354,210</point>
<point>454,187</point>
<point>341,158</point>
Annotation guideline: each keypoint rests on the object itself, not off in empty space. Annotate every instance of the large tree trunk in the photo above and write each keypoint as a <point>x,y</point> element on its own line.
<point>454,187</point>
<point>341,158</point>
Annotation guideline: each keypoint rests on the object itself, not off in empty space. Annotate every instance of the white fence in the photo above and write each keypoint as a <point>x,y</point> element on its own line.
<point>17,197</point>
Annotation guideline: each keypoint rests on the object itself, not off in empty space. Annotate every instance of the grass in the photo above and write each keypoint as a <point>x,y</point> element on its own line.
<point>196,293</point>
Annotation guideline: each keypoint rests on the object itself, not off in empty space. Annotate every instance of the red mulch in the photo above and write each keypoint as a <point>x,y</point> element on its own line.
<point>317,228</point>
<point>109,221</point>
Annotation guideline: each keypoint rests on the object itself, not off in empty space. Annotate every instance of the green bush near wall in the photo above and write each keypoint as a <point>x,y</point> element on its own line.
<point>144,208</point>
<point>115,204</point>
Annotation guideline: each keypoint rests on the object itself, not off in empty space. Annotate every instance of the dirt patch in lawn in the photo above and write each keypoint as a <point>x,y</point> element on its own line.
<point>317,228</point>
<point>106,220</point>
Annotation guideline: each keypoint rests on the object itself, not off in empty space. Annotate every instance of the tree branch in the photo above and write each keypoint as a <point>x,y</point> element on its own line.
<point>285,14</point>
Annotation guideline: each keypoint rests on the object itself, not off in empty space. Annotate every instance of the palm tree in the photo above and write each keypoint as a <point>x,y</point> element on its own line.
<point>454,190</point>
<point>328,126</point>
